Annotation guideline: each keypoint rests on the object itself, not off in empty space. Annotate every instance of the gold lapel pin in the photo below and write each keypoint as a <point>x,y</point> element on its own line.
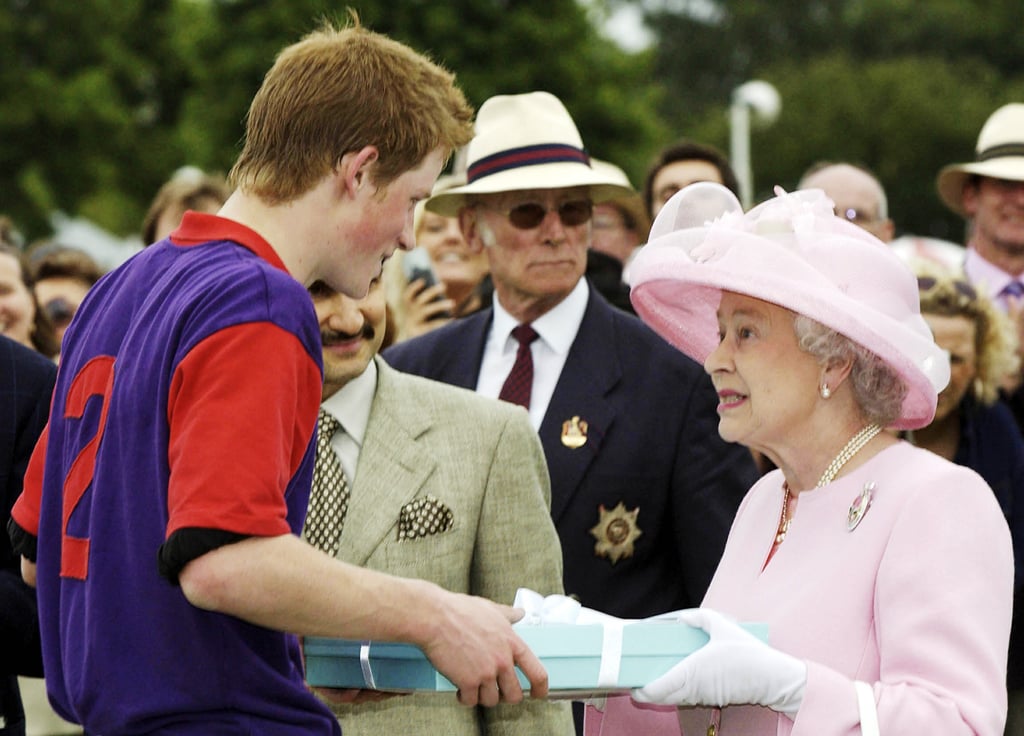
<point>574,433</point>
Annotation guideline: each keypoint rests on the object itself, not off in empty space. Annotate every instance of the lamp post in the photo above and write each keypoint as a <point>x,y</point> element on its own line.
<point>761,99</point>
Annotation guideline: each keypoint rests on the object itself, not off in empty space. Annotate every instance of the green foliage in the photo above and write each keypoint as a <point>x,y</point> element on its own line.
<point>101,100</point>
<point>512,47</point>
<point>85,104</point>
<point>105,99</point>
<point>900,86</point>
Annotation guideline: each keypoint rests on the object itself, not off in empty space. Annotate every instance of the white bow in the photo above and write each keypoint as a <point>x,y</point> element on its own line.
<point>560,609</point>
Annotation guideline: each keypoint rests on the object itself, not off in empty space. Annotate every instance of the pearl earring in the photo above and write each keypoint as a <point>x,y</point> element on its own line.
<point>825,391</point>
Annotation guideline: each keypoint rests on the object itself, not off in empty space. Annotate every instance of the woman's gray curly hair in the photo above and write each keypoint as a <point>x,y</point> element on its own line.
<point>877,388</point>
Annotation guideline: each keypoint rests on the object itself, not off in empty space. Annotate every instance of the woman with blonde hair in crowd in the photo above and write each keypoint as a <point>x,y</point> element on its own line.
<point>972,426</point>
<point>461,281</point>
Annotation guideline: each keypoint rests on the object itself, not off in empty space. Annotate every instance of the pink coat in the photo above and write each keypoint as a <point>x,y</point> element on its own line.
<point>916,601</point>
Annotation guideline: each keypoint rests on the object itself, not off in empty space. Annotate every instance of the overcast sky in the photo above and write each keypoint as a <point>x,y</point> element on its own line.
<point>626,27</point>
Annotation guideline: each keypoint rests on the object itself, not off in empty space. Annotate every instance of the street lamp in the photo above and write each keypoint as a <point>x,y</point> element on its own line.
<point>761,99</point>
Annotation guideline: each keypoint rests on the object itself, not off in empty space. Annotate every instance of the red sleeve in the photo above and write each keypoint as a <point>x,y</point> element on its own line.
<point>241,409</point>
<point>25,511</point>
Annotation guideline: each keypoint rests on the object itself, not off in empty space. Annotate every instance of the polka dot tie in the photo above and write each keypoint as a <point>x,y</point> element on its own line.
<point>328,498</point>
<point>519,384</point>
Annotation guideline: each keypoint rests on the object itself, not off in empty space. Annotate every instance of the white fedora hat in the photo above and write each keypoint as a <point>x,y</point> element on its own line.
<point>1000,155</point>
<point>526,141</point>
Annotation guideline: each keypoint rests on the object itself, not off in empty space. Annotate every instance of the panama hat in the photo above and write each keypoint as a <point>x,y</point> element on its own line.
<point>443,184</point>
<point>792,251</point>
<point>525,141</point>
<point>999,155</point>
<point>632,203</point>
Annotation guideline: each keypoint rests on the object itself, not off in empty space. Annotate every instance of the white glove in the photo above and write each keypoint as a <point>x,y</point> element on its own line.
<point>733,668</point>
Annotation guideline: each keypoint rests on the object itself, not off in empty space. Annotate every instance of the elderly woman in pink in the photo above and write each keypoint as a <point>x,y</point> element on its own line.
<point>884,572</point>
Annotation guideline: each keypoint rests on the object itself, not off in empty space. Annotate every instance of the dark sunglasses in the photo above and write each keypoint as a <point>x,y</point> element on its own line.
<point>926,283</point>
<point>60,311</point>
<point>529,215</point>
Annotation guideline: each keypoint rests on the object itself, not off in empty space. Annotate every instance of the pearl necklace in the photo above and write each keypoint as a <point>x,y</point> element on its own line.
<point>855,445</point>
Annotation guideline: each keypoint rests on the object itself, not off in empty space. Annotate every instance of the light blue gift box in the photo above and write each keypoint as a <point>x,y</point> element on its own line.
<point>571,654</point>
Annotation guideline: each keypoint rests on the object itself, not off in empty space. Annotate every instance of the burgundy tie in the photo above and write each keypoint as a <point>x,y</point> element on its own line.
<point>520,379</point>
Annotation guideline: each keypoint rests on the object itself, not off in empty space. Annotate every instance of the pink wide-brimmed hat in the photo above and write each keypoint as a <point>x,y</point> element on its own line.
<point>526,141</point>
<point>794,252</point>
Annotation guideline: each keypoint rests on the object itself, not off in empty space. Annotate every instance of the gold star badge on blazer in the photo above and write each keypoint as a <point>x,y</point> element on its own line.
<point>615,532</point>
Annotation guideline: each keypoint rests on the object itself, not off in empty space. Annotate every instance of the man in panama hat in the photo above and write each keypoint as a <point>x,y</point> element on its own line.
<point>989,193</point>
<point>643,488</point>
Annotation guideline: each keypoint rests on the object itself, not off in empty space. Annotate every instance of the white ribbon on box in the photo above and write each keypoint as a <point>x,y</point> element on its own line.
<point>556,609</point>
<point>364,664</point>
<point>560,609</point>
<point>552,609</point>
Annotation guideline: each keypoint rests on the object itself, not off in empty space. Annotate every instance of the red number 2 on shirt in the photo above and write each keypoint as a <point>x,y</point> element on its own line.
<point>95,379</point>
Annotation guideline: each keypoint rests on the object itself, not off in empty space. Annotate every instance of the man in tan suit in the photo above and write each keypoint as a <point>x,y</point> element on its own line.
<point>440,484</point>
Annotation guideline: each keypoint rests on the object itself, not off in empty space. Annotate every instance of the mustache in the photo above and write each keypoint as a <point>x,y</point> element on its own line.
<point>332,337</point>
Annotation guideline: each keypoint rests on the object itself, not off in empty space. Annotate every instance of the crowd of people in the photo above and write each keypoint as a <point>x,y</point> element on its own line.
<point>521,373</point>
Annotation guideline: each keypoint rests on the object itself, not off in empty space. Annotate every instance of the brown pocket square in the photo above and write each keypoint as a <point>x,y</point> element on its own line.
<point>423,517</point>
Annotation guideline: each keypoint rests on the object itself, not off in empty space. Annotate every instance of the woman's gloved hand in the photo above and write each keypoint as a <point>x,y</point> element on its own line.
<point>733,668</point>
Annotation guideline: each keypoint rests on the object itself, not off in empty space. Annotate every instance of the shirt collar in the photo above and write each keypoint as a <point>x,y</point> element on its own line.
<point>984,274</point>
<point>201,227</point>
<point>557,327</point>
<point>352,403</point>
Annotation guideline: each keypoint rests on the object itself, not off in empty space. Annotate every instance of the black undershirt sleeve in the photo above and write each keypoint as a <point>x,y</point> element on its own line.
<point>22,542</point>
<point>187,544</point>
<point>183,546</point>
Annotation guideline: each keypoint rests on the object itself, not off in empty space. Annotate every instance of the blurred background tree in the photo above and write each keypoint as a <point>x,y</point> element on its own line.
<point>102,100</point>
<point>89,97</point>
<point>901,86</point>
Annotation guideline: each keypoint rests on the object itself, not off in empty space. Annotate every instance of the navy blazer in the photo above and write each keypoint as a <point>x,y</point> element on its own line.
<point>991,444</point>
<point>644,505</point>
<point>26,385</point>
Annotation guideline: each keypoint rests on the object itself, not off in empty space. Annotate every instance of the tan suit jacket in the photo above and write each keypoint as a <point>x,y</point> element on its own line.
<point>481,460</point>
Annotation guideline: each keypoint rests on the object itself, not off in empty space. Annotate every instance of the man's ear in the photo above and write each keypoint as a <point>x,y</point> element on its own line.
<point>354,169</point>
<point>470,231</point>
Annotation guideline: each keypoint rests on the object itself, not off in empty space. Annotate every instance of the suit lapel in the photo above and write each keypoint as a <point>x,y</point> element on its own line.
<point>392,468</point>
<point>591,370</point>
<point>461,365</point>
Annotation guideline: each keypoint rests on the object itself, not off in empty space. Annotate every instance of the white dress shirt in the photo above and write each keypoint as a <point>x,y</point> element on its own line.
<point>351,406</point>
<point>556,330</point>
